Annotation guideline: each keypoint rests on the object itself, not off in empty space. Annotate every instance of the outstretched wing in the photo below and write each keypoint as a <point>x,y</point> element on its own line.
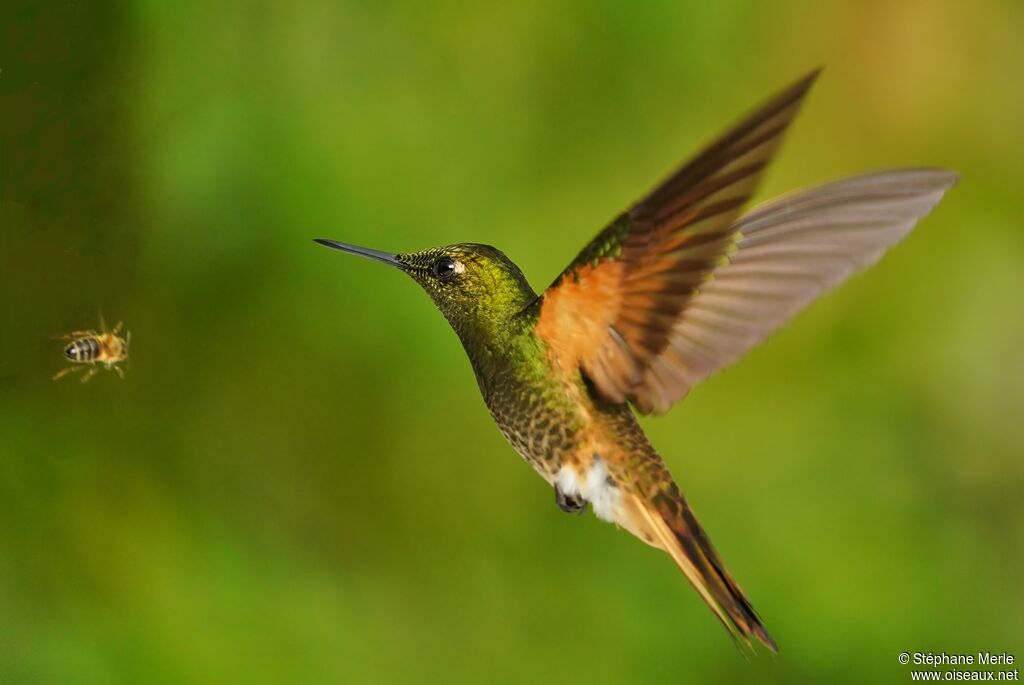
<point>788,252</point>
<point>679,285</point>
<point>613,309</point>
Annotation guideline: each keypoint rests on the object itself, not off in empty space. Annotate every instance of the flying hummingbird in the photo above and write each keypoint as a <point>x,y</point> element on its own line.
<point>673,289</point>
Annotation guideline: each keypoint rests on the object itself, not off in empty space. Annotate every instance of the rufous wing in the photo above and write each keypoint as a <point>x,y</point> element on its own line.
<point>681,284</point>
<point>788,252</point>
<point>612,311</point>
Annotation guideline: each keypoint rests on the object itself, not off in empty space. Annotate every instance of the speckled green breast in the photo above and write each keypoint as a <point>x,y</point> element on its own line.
<point>529,404</point>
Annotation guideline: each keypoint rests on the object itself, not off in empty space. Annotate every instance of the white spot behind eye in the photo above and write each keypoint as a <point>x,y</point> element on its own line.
<point>460,268</point>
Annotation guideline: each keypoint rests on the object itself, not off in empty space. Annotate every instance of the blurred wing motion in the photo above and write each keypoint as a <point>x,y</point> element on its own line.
<point>680,285</point>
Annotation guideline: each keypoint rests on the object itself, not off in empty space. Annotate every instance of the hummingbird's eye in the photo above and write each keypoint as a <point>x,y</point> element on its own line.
<point>444,268</point>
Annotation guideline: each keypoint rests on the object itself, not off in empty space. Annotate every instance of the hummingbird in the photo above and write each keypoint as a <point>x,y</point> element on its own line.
<point>676,287</point>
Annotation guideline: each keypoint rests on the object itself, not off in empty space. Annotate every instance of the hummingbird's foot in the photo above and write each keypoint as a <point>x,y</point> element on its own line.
<point>570,504</point>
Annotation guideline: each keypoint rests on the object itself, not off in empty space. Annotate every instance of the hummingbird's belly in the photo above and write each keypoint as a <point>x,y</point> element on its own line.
<point>584,446</point>
<point>572,442</point>
<point>539,422</point>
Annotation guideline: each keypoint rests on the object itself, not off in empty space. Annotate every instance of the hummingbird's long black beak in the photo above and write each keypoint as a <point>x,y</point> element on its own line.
<point>376,255</point>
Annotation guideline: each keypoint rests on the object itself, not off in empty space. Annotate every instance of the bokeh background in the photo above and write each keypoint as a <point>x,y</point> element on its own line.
<point>298,482</point>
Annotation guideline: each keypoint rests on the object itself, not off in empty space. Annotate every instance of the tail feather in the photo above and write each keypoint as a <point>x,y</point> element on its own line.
<point>673,527</point>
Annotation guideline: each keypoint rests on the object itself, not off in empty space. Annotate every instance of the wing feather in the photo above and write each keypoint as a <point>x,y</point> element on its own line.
<point>681,284</point>
<point>789,252</point>
<point>629,286</point>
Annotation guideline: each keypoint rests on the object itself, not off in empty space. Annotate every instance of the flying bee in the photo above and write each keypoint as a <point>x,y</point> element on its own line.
<point>89,349</point>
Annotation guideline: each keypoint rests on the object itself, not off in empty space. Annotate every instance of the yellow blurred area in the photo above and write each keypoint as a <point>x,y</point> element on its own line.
<point>298,483</point>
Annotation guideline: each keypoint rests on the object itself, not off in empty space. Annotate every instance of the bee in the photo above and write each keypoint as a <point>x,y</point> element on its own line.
<point>89,349</point>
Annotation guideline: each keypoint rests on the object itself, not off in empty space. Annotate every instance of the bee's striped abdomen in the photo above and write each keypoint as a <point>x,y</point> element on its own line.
<point>83,350</point>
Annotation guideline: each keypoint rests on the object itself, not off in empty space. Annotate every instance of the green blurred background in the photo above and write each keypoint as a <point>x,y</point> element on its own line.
<point>298,482</point>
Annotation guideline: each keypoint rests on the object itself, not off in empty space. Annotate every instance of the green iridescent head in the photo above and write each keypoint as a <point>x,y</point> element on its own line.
<point>474,286</point>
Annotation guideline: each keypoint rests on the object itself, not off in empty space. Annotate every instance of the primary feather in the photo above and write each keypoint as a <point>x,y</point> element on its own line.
<point>788,252</point>
<point>682,283</point>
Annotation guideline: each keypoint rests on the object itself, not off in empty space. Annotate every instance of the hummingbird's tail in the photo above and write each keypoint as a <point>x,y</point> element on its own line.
<point>668,523</point>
